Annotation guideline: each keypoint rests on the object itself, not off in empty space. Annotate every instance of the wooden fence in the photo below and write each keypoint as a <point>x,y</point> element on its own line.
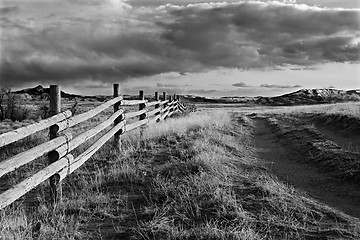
<point>59,147</point>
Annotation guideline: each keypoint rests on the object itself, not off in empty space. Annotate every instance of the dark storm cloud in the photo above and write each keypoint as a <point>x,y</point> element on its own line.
<point>64,56</point>
<point>254,35</point>
<point>279,86</point>
<point>87,2</point>
<point>203,91</point>
<point>117,45</point>
<point>244,85</point>
<point>333,49</point>
<point>171,85</point>
<point>10,9</point>
<point>240,84</point>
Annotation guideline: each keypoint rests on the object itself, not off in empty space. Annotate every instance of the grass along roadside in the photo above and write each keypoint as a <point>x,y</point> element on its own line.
<point>349,109</point>
<point>316,148</point>
<point>342,116</point>
<point>195,177</point>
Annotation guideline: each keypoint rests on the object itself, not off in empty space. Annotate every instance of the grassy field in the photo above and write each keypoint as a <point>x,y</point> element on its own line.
<point>195,176</point>
<point>350,109</point>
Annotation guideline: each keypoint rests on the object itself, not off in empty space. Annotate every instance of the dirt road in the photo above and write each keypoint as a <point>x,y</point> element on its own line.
<point>290,166</point>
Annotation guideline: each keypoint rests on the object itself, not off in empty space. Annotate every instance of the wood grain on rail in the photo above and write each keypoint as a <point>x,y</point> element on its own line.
<point>134,114</point>
<point>132,102</point>
<point>23,158</point>
<point>85,116</point>
<point>77,141</point>
<point>20,133</point>
<point>153,112</point>
<point>150,104</point>
<point>25,186</point>
<point>83,157</point>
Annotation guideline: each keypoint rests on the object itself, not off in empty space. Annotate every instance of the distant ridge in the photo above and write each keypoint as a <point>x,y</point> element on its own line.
<point>311,96</point>
<point>39,92</point>
<point>36,91</point>
<point>43,93</point>
<point>300,97</point>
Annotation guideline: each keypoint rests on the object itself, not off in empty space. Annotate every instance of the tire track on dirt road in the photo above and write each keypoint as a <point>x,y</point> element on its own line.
<point>288,164</point>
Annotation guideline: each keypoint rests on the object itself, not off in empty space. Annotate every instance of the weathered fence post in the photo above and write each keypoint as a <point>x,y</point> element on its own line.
<point>55,108</point>
<point>142,106</point>
<point>178,102</point>
<point>156,97</point>
<point>117,141</point>
<point>164,106</point>
<point>170,103</point>
<point>164,96</point>
<point>175,104</point>
<point>157,105</point>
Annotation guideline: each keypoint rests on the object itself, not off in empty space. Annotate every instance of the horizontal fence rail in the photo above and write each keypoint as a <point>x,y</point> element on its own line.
<point>20,133</point>
<point>129,115</point>
<point>132,102</point>
<point>82,138</point>
<point>23,158</point>
<point>82,158</point>
<point>150,104</point>
<point>14,193</point>
<point>59,147</point>
<point>84,116</point>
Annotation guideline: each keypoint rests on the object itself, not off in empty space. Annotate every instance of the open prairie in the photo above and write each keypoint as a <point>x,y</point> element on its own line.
<point>180,119</point>
<point>221,172</point>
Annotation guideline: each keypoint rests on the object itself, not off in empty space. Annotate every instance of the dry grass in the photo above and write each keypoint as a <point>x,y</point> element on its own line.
<point>349,109</point>
<point>195,177</point>
<point>305,138</point>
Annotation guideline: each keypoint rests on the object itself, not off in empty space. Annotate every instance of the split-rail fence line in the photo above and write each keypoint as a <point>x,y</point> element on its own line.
<point>61,161</point>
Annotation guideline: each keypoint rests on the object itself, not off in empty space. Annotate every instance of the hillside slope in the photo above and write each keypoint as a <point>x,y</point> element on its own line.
<point>39,92</point>
<point>311,96</point>
<point>303,96</point>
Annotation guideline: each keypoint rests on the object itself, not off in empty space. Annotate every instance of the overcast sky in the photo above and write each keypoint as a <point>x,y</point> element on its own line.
<point>198,47</point>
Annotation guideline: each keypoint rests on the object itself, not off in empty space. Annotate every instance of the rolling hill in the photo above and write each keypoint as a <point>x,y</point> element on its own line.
<point>300,97</point>
<point>311,96</point>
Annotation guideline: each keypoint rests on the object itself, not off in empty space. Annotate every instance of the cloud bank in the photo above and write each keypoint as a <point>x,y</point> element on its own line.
<point>110,40</point>
<point>279,86</point>
<point>244,85</point>
<point>241,85</point>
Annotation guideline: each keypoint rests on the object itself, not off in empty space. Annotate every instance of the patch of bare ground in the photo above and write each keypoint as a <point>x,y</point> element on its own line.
<point>288,145</point>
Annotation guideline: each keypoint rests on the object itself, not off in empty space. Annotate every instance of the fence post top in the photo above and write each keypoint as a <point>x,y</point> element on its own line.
<point>54,89</point>
<point>116,89</point>
<point>141,95</point>
<point>164,96</point>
